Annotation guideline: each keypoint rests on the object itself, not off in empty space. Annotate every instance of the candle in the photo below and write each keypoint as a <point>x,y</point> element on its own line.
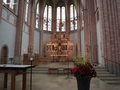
<point>31,59</point>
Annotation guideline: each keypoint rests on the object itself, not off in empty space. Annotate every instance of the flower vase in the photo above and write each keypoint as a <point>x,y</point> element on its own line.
<point>83,83</point>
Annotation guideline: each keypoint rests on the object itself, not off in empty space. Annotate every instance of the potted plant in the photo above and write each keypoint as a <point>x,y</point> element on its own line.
<point>83,71</point>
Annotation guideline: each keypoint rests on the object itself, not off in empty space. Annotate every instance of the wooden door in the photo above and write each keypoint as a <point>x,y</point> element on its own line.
<point>4,55</point>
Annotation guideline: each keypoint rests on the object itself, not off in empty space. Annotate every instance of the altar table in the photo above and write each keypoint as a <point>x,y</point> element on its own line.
<point>14,70</point>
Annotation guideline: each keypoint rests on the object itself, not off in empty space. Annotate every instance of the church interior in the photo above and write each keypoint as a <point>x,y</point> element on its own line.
<point>52,32</point>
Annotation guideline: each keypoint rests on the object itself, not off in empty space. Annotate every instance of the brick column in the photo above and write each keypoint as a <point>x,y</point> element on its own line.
<point>93,51</point>
<point>114,33</point>
<point>41,27</point>
<point>112,30</point>
<point>117,23</point>
<point>108,28</point>
<point>68,23</point>
<point>86,27</point>
<point>102,27</point>
<point>105,30</point>
<point>53,20</point>
<point>85,16</point>
<point>32,24</point>
<point>19,27</point>
<point>1,1</point>
<point>79,25</point>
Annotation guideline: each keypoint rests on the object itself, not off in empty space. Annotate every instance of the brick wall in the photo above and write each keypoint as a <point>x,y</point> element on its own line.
<point>109,17</point>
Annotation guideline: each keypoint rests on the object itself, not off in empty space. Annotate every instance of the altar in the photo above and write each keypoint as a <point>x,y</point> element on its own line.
<point>14,70</point>
<point>59,46</point>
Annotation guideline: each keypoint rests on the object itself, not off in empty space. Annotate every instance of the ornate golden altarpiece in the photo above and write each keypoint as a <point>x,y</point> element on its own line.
<point>59,45</point>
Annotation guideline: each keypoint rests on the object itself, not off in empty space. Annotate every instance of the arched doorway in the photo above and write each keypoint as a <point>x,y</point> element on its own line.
<point>4,53</point>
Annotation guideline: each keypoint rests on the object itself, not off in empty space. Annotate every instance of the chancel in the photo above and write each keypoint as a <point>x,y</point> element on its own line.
<point>57,30</point>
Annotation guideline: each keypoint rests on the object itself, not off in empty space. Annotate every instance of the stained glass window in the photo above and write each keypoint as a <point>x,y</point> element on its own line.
<point>26,10</point>
<point>5,1</point>
<point>63,18</point>
<point>73,17</point>
<point>10,3</point>
<point>60,19</point>
<point>37,15</point>
<point>47,18</point>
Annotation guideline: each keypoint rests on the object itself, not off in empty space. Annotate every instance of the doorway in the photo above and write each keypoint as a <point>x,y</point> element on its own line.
<point>4,53</point>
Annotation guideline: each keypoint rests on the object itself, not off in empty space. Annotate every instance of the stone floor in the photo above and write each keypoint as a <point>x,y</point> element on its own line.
<point>54,82</point>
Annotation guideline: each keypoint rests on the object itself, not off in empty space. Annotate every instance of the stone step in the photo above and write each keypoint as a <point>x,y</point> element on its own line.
<point>110,79</point>
<point>44,70</point>
<point>101,70</point>
<point>103,73</point>
<point>106,75</point>
<point>112,82</point>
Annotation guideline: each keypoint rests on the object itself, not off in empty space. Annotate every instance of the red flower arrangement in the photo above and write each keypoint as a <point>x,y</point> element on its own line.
<point>83,67</point>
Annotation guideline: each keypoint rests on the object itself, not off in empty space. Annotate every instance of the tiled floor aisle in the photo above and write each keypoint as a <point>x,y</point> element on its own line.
<point>54,82</point>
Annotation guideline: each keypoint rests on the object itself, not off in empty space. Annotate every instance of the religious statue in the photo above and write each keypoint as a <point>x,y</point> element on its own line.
<point>30,49</point>
<point>86,50</point>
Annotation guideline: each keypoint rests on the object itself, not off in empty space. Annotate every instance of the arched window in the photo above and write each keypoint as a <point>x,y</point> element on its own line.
<point>60,19</point>
<point>73,17</point>
<point>37,16</point>
<point>11,4</point>
<point>47,18</point>
<point>27,10</point>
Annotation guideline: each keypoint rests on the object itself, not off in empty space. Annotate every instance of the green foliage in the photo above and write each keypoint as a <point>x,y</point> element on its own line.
<point>82,67</point>
<point>85,60</point>
<point>80,60</point>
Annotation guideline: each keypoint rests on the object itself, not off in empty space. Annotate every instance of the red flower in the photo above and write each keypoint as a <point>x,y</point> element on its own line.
<point>84,70</point>
<point>83,67</point>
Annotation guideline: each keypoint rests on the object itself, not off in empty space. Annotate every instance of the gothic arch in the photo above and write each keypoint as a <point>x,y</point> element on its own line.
<point>4,54</point>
